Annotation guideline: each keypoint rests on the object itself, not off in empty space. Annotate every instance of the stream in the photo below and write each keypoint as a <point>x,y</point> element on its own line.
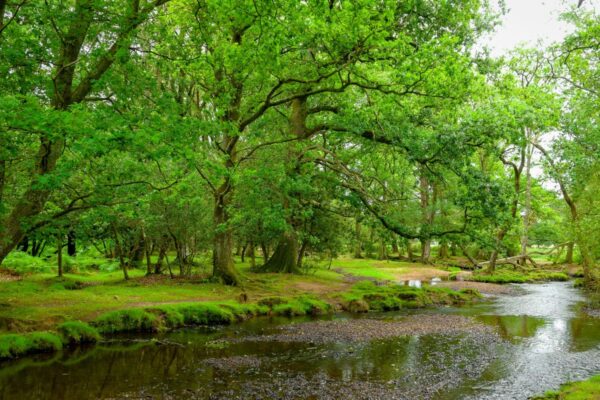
<point>539,339</point>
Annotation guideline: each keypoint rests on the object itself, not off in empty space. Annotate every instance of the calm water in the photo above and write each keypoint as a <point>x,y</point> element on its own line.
<point>545,340</point>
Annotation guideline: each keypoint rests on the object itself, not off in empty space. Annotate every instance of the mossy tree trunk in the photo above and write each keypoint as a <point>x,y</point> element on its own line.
<point>358,240</point>
<point>569,255</point>
<point>223,266</point>
<point>285,256</point>
<point>59,257</point>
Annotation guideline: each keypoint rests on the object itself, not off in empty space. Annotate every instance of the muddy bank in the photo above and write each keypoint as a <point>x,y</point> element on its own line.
<point>365,330</point>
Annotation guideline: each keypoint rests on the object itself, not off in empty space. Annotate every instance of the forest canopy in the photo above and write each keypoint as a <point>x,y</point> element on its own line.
<point>294,131</point>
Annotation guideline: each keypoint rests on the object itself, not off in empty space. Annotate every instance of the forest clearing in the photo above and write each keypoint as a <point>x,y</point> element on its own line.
<point>320,199</point>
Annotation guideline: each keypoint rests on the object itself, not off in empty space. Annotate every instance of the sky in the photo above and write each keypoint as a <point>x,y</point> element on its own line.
<point>529,21</point>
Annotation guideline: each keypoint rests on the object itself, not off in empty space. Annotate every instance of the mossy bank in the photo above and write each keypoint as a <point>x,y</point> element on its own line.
<point>363,297</point>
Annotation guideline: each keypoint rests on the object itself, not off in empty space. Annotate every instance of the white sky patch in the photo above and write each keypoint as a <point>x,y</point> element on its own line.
<point>531,23</point>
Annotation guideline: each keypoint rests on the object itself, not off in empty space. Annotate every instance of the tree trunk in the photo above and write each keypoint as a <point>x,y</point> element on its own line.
<point>252,254</point>
<point>119,251</point>
<point>395,248</point>
<point>59,254</point>
<point>409,250</point>
<point>71,243</point>
<point>223,266</point>
<point>453,251</point>
<point>32,201</point>
<point>23,244</point>
<point>425,250</point>
<point>569,256</point>
<point>148,252</point>
<point>243,252</point>
<point>527,213</point>
<point>285,256</point>
<point>162,251</point>
<point>265,251</point>
<point>382,250</point>
<point>358,239</point>
<point>443,254</point>
<point>301,253</point>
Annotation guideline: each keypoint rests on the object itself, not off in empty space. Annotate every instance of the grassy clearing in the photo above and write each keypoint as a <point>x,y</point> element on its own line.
<point>41,301</point>
<point>583,390</point>
<point>380,270</point>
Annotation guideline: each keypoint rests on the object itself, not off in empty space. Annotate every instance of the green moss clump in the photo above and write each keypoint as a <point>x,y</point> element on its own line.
<point>588,389</point>
<point>243,312</point>
<point>169,317</point>
<point>367,296</point>
<point>205,314</point>
<point>271,301</point>
<point>16,345</point>
<point>356,306</point>
<point>129,320</point>
<point>73,332</point>
<point>303,305</point>
<point>505,276</point>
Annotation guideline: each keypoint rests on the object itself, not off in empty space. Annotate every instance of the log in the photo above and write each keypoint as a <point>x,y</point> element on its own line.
<point>510,260</point>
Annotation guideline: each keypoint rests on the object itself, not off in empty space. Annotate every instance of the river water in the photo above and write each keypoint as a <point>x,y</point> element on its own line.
<point>542,338</point>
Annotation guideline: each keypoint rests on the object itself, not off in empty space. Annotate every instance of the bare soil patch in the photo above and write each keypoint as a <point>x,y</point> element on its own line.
<point>420,273</point>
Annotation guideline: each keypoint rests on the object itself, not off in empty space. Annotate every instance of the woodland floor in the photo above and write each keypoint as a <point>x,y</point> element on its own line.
<point>40,301</point>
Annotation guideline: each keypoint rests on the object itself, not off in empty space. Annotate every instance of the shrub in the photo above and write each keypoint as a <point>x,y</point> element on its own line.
<point>78,332</point>
<point>22,263</point>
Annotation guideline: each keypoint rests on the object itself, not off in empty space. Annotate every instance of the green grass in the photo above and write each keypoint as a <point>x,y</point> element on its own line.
<point>129,320</point>
<point>366,296</point>
<point>304,305</point>
<point>17,345</point>
<point>380,270</point>
<point>583,390</point>
<point>508,276</point>
<point>76,332</point>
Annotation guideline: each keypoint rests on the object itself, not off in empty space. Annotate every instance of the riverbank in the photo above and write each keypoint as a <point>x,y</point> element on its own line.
<point>34,308</point>
<point>361,297</point>
<point>512,346</point>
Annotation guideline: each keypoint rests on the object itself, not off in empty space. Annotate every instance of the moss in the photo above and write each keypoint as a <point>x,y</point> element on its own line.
<point>128,320</point>
<point>356,306</point>
<point>169,317</point>
<point>583,390</point>
<point>245,311</point>
<point>16,345</point>
<point>506,276</point>
<point>303,305</point>
<point>205,314</point>
<point>271,301</point>
<point>396,297</point>
<point>78,332</point>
